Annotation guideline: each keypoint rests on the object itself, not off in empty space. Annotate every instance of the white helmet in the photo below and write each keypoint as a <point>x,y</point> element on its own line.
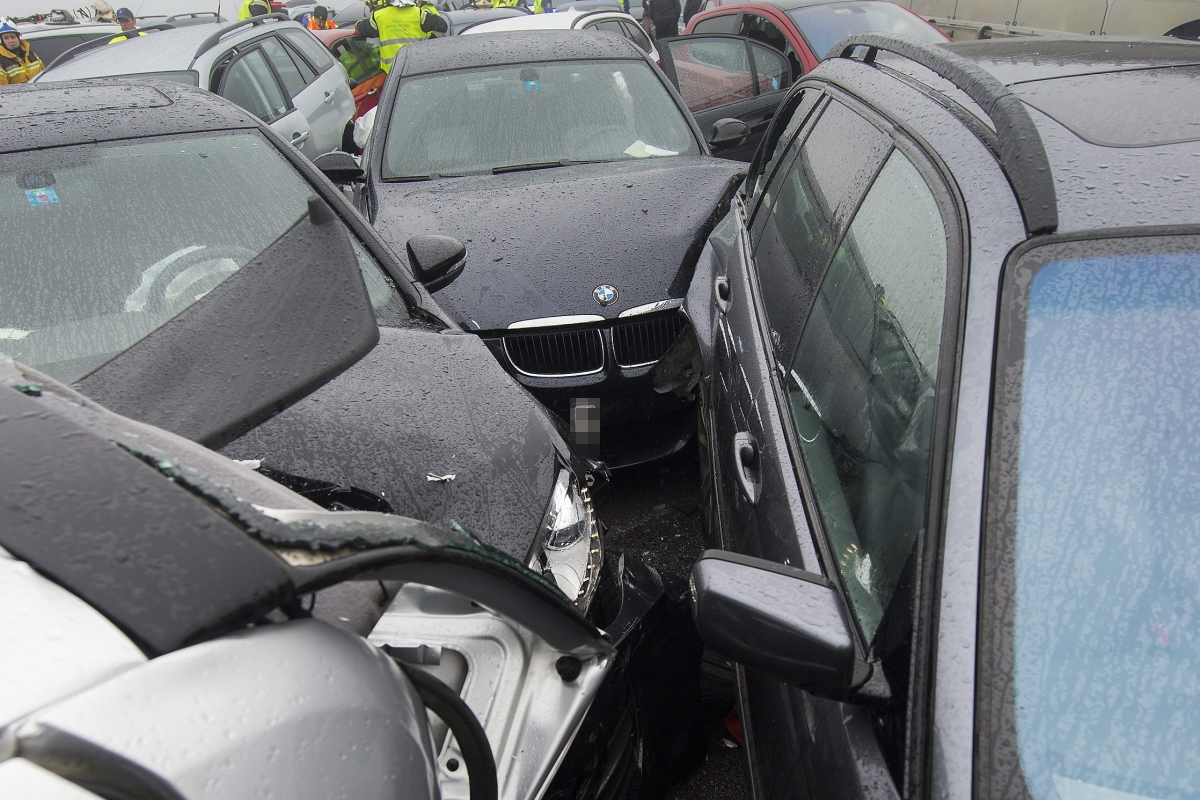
<point>8,26</point>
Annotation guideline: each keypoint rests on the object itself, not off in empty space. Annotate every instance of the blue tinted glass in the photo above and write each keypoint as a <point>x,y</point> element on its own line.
<point>1106,623</point>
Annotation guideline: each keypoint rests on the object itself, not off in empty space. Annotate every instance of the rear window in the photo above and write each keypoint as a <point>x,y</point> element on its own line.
<point>1090,605</point>
<point>824,26</point>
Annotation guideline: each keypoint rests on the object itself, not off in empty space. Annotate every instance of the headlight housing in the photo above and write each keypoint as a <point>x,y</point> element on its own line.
<point>567,547</point>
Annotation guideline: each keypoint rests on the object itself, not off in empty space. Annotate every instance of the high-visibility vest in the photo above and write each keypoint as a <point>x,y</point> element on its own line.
<point>245,11</point>
<point>120,37</point>
<point>314,24</point>
<point>19,67</point>
<point>398,26</point>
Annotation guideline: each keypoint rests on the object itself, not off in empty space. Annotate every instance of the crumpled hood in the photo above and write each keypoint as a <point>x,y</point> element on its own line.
<point>539,242</point>
<point>423,403</point>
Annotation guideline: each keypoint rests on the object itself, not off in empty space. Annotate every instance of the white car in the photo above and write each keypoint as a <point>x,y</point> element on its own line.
<point>611,21</point>
<point>270,66</point>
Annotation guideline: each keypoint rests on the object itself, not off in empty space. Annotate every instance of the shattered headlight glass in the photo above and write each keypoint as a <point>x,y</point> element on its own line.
<point>567,547</point>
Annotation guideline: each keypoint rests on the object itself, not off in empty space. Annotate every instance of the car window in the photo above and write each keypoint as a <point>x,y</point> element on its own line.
<point>52,47</point>
<point>117,238</point>
<point>772,68</point>
<point>293,81</point>
<point>306,71</point>
<point>311,47</point>
<point>722,23</point>
<point>824,25</point>
<point>761,29</point>
<point>711,72</point>
<point>637,35</point>
<point>359,56</point>
<point>1090,598</point>
<point>250,83</point>
<point>804,211</point>
<point>861,387</point>
<point>390,308</point>
<point>787,123</point>
<point>474,121</point>
<point>609,26</point>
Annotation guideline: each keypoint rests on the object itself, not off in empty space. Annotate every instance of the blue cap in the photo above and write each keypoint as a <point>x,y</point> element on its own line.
<point>125,13</point>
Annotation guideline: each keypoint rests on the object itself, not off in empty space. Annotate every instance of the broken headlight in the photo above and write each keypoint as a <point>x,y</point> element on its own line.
<point>567,548</point>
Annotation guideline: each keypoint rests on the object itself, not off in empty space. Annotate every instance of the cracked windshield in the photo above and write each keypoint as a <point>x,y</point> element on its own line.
<point>600,399</point>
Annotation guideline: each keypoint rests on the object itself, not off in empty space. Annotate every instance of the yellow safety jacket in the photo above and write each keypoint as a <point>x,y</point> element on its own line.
<point>398,26</point>
<point>537,5</point>
<point>120,37</point>
<point>246,12</point>
<point>19,67</point>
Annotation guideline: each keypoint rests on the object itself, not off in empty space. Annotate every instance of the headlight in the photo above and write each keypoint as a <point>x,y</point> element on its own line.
<point>567,547</point>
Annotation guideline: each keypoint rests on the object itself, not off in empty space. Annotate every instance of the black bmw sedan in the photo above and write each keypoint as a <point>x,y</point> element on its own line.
<point>583,191</point>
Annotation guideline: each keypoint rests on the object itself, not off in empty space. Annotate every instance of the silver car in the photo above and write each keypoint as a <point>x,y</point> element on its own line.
<point>270,66</point>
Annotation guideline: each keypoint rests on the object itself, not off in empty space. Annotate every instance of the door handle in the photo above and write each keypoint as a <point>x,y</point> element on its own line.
<point>372,91</point>
<point>745,465</point>
<point>721,293</point>
<point>299,138</point>
<point>329,97</point>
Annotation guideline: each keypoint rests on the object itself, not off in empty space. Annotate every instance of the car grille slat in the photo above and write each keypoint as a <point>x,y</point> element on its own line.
<point>569,352</point>
<point>637,342</point>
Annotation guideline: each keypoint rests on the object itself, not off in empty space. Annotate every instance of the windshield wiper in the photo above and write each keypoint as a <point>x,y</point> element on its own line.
<point>433,176</point>
<point>564,162</point>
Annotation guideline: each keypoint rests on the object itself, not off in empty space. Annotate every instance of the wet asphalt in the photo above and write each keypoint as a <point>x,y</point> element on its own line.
<point>653,512</point>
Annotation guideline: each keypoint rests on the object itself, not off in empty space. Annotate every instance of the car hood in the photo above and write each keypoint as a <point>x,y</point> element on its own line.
<point>430,422</point>
<point>539,242</point>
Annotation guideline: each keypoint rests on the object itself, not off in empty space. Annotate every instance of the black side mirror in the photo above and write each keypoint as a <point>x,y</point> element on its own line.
<point>436,260</point>
<point>784,621</point>
<point>352,82</point>
<point>339,167</point>
<point>728,132</point>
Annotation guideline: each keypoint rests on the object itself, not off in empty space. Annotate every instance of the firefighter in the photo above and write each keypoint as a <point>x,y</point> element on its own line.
<point>18,62</point>
<point>397,23</point>
<point>319,20</point>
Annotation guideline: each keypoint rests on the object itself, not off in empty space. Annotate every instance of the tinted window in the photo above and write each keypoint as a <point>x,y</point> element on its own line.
<point>784,127</point>
<point>293,81</point>
<point>51,48</point>
<point>473,121</point>
<point>250,83</point>
<point>861,388</point>
<point>761,29</point>
<point>723,23</point>
<point>711,72</point>
<point>311,47</point>
<point>635,32</point>
<point>803,213</point>
<point>823,26</point>
<point>1089,633</point>
<point>609,26</point>
<point>125,236</point>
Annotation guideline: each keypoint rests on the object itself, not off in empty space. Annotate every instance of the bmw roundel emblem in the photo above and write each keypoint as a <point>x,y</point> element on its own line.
<point>605,294</point>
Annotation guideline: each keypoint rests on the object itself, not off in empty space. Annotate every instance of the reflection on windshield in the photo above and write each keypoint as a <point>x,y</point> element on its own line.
<point>1093,539</point>
<point>823,26</point>
<point>475,121</point>
<point>105,243</point>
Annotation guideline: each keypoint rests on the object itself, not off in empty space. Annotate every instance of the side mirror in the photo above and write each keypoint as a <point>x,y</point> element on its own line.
<point>786,622</point>
<point>352,82</point>
<point>339,167</point>
<point>728,132</point>
<point>436,260</point>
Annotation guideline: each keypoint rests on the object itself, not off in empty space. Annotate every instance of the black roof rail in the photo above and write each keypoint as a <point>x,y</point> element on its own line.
<point>1022,154</point>
<point>102,40</point>
<point>194,15</point>
<point>211,41</point>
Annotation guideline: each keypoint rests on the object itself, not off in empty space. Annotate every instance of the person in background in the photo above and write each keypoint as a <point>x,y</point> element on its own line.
<point>398,23</point>
<point>18,62</point>
<point>690,9</point>
<point>319,20</point>
<point>128,22</point>
<point>665,14</point>
<point>254,8</point>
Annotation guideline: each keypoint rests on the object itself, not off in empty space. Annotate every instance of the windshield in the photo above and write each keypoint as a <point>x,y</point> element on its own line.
<point>1090,621</point>
<point>104,243</point>
<point>824,26</point>
<point>474,121</point>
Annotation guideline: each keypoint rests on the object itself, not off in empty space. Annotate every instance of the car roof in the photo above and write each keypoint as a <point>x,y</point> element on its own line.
<point>515,47</point>
<point>1013,61</point>
<point>559,20</point>
<point>162,51</point>
<point>45,30</point>
<point>40,115</point>
<point>787,5</point>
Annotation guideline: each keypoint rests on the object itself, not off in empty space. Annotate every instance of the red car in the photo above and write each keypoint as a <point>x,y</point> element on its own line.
<point>360,57</point>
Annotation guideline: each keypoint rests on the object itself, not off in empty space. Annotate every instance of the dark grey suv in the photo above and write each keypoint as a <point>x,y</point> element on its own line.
<point>948,340</point>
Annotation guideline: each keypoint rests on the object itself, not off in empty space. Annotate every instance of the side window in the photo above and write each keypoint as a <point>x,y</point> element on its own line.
<point>309,74</point>
<point>772,69</point>
<point>385,297</point>
<point>725,23</point>
<point>804,211</point>
<point>360,57</point>
<point>52,47</point>
<point>293,80</point>
<point>608,26</point>
<point>761,29</point>
<point>250,83</point>
<point>789,119</point>
<point>861,387</point>
<point>711,72</point>
<point>635,33</point>
<point>310,47</point>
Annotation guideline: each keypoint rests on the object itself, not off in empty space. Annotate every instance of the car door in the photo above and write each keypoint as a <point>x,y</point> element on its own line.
<point>836,309</point>
<point>330,88</point>
<point>720,76</point>
<point>299,80</point>
<point>250,81</point>
<point>760,28</point>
